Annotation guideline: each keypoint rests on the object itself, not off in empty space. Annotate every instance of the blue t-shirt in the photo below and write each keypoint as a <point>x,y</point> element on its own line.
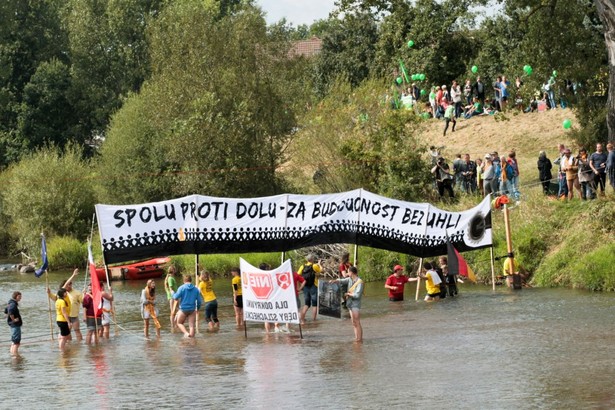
<point>190,296</point>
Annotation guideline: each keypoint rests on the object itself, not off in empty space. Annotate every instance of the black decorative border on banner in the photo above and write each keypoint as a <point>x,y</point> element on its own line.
<point>265,239</point>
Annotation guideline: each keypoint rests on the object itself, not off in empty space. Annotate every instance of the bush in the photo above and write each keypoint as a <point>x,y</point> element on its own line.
<point>65,252</point>
<point>48,192</point>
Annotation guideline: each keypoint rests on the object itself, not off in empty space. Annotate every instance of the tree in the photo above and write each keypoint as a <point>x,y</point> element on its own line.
<point>217,112</point>
<point>606,11</point>
<point>48,191</point>
<point>109,55</point>
<point>347,51</point>
<point>46,116</point>
<point>352,139</point>
<point>31,33</point>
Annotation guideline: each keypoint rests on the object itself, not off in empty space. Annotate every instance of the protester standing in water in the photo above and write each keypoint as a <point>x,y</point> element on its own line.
<point>14,321</point>
<point>353,300</point>
<point>395,284</point>
<point>148,308</point>
<point>62,317</point>
<point>170,287</point>
<point>237,296</point>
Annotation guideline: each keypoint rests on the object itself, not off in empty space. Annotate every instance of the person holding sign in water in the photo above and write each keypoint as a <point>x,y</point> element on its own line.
<point>310,289</point>
<point>395,284</point>
<point>432,282</point>
<point>353,300</point>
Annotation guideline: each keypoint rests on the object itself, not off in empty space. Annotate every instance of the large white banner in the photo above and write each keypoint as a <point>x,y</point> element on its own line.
<point>199,224</point>
<point>268,296</point>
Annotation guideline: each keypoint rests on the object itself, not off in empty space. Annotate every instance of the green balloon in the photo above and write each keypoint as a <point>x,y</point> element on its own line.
<point>423,92</point>
<point>426,115</point>
<point>410,44</point>
<point>474,69</point>
<point>526,67</point>
<point>399,80</point>
<point>567,124</point>
<point>554,73</point>
<point>413,77</point>
<point>422,77</point>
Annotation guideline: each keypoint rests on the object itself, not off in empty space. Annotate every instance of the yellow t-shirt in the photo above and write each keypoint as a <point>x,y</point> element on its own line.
<point>76,300</point>
<point>207,290</point>
<point>60,303</point>
<point>429,285</point>
<point>506,268</point>
<point>237,281</point>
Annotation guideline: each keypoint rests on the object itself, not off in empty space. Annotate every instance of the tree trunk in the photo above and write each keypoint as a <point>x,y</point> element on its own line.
<point>606,11</point>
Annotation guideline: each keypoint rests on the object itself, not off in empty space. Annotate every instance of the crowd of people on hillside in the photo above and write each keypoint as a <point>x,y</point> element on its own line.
<point>586,173</point>
<point>493,174</point>
<point>472,99</point>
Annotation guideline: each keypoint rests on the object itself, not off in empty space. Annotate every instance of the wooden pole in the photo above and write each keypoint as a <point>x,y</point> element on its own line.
<point>418,282</point>
<point>509,247</point>
<point>196,281</point>
<point>492,269</point>
<point>49,304</point>
<point>355,256</point>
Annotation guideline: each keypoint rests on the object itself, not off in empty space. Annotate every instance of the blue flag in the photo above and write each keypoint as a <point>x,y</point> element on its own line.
<point>39,272</point>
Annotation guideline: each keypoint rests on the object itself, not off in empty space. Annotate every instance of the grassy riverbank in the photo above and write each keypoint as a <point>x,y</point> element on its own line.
<point>562,243</point>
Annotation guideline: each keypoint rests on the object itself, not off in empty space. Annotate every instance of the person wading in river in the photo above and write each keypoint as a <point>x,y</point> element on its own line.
<point>148,308</point>
<point>353,300</point>
<point>395,284</point>
<point>189,299</point>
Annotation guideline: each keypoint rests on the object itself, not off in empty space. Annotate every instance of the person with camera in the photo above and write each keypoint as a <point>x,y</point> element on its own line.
<point>444,178</point>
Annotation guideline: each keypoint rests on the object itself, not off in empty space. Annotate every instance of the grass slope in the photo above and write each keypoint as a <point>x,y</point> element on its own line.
<point>563,243</point>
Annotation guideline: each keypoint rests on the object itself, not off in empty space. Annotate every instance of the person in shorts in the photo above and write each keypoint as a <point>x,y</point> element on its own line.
<point>13,319</point>
<point>189,300</point>
<point>92,318</point>
<point>237,296</point>
<point>62,317</point>
<point>309,270</point>
<point>107,307</point>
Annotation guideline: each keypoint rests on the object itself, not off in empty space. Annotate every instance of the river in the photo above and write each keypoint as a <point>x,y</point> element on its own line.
<point>534,348</point>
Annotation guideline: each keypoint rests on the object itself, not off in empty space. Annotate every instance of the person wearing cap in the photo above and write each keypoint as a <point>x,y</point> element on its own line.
<point>395,284</point>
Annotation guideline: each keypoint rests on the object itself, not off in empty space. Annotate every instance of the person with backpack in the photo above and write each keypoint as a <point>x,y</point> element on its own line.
<point>13,319</point>
<point>309,270</point>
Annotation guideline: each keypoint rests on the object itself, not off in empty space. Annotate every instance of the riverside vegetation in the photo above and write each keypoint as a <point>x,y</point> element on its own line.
<point>202,97</point>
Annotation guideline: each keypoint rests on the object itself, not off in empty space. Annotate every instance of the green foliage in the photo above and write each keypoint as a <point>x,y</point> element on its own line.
<point>352,141</point>
<point>110,56</point>
<point>215,116</point>
<point>46,115</point>
<point>223,263</point>
<point>48,192</point>
<point>66,252</point>
<point>347,51</point>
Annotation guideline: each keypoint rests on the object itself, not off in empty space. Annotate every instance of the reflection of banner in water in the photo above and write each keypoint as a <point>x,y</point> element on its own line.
<point>329,299</point>
<point>200,225</point>
<point>268,296</point>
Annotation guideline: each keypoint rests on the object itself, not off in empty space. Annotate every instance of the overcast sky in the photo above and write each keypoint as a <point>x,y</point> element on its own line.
<point>296,11</point>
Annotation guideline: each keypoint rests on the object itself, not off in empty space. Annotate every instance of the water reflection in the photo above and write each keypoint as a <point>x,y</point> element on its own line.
<point>538,348</point>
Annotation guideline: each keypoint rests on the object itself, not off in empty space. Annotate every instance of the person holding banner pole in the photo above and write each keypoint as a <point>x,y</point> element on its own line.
<point>75,299</point>
<point>237,296</point>
<point>353,300</point>
<point>432,282</point>
<point>148,308</point>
